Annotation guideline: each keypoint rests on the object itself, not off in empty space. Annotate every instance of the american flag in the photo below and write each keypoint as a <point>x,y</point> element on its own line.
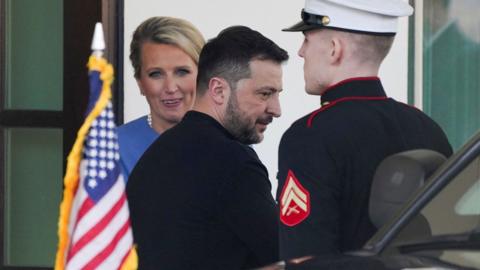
<point>98,233</point>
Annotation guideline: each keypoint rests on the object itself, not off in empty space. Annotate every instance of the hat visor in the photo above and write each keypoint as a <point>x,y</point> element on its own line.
<point>301,26</point>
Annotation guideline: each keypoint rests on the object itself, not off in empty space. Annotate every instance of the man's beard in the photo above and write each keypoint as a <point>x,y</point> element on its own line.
<point>240,127</point>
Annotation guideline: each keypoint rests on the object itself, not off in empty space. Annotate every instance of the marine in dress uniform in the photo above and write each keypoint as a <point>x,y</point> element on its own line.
<point>327,158</point>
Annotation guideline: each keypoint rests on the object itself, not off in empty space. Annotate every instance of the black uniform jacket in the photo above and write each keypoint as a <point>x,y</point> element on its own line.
<point>327,160</point>
<point>199,199</point>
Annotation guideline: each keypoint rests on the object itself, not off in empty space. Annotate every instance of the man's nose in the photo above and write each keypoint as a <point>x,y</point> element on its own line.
<point>301,51</point>
<point>274,106</point>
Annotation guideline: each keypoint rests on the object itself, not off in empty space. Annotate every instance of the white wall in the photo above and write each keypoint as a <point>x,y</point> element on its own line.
<point>267,17</point>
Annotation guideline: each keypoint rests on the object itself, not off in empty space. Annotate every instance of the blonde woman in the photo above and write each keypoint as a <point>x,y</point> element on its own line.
<point>164,53</point>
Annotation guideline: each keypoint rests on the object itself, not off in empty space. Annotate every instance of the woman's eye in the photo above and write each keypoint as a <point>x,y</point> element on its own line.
<point>154,74</point>
<point>183,72</point>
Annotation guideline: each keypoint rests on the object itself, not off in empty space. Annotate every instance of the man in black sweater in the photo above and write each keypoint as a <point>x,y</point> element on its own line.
<point>199,197</point>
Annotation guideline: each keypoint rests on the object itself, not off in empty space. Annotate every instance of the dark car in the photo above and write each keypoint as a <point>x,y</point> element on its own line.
<point>438,227</point>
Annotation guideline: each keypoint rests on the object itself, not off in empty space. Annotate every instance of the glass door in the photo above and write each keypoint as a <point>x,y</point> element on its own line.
<point>451,66</point>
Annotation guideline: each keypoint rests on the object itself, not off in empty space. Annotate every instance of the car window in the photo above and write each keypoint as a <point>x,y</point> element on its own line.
<point>452,216</point>
<point>469,204</point>
<point>453,210</point>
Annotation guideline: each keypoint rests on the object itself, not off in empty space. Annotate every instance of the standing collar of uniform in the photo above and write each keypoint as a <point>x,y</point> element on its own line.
<point>203,119</point>
<point>354,88</point>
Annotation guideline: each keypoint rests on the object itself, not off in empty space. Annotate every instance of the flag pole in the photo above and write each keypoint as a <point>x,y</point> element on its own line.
<point>79,194</point>
<point>130,261</point>
<point>72,176</point>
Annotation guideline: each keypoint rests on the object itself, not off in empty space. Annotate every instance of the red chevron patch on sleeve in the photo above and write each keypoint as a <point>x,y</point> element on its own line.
<point>294,201</point>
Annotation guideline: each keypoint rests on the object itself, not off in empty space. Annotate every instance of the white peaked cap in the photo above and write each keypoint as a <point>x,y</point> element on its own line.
<point>365,16</point>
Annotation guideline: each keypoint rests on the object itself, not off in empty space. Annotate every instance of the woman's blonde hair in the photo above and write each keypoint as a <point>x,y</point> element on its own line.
<point>165,30</point>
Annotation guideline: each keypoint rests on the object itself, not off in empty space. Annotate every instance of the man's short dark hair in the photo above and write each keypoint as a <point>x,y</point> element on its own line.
<point>229,54</point>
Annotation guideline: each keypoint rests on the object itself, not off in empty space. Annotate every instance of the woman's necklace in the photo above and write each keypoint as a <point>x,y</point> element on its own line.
<point>149,120</point>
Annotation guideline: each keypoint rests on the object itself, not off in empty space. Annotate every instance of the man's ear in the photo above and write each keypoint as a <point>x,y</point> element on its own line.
<point>218,89</point>
<point>337,50</point>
